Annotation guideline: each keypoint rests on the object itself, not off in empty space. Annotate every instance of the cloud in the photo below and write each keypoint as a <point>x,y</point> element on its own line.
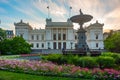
<point>112,19</point>
<point>4,1</point>
<point>35,11</point>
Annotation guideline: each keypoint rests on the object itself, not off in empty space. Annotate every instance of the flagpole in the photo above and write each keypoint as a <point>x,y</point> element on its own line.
<point>70,11</point>
<point>48,12</point>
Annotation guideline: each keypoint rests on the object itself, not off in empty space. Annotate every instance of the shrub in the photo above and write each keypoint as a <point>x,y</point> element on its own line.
<point>89,62</point>
<point>52,57</point>
<point>113,55</point>
<point>117,60</point>
<point>105,62</point>
<point>110,54</point>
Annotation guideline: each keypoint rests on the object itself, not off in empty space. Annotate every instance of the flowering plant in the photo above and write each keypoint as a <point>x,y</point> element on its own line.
<point>41,67</point>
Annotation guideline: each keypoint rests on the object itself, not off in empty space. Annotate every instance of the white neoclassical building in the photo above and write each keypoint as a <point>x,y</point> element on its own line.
<point>58,35</point>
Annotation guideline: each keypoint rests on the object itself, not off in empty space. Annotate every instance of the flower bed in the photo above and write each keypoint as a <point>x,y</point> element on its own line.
<point>50,69</point>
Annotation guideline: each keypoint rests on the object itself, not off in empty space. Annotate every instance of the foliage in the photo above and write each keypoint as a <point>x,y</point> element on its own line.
<point>89,62</point>
<point>17,45</point>
<point>48,68</point>
<point>2,34</point>
<point>112,43</point>
<point>113,55</point>
<point>105,62</point>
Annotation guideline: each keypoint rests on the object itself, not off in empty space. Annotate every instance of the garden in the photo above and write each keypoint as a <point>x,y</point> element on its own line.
<point>103,67</point>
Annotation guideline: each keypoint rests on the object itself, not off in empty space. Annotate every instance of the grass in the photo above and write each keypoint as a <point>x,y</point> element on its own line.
<point>5,75</point>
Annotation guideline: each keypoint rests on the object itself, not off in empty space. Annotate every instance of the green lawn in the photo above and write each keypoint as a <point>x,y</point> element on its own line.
<point>5,75</point>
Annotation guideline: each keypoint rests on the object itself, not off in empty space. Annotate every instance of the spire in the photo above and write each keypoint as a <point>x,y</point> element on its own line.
<point>21,21</point>
<point>81,13</point>
<point>96,21</point>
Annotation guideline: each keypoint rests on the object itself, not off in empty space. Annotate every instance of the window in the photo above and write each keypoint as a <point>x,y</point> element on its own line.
<point>54,45</point>
<point>96,36</point>
<point>59,36</point>
<point>48,45</point>
<point>43,37</point>
<point>54,36</point>
<point>96,44</point>
<point>21,35</point>
<point>64,36</point>
<point>64,45</point>
<point>81,37</point>
<point>32,37</point>
<point>59,45</point>
<point>75,37</point>
<point>37,37</point>
<point>37,45</point>
<point>42,45</point>
<point>32,45</point>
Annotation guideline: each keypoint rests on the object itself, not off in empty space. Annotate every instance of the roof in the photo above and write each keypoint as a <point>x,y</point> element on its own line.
<point>97,24</point>
<point>21,23</point>
<point>49,23</point>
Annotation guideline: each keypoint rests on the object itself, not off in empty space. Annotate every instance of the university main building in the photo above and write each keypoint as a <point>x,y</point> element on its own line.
<point>58,35</point>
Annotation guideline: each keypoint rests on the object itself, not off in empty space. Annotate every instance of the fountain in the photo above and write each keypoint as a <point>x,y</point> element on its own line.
<point>81,46</point>
<point>81,19</point>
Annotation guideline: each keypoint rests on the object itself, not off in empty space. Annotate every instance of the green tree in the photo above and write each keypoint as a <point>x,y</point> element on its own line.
<point>17,45</point>
<point>112,43</point>
<point>2,34</point>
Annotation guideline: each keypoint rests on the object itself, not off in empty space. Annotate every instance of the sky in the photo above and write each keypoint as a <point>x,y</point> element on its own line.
<point>35,12</point>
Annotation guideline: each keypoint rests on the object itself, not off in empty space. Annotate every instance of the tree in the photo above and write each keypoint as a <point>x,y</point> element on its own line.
<point>2,34</point>
<point>17,45</point>
<point>112,43</point>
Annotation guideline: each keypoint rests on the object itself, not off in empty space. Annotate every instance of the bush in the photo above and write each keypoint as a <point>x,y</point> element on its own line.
<point>116,56</point>
<point>105,62</point>
<point>89,62</point>
<point>53,57</point>
<point>109,54</point>
<point>117,60</point>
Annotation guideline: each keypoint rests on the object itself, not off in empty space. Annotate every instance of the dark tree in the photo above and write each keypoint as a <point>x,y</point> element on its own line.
<point>2,34</point>
<point>17,45</point>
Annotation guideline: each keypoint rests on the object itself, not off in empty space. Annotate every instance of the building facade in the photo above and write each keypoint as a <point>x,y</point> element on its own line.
<point>95,36</point>
<point>9,34</point>
<point>58,35</point>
